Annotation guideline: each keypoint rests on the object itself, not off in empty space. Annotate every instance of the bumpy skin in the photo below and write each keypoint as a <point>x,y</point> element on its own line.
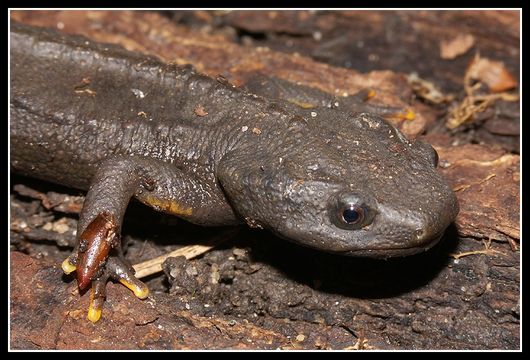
<point>121,124</point>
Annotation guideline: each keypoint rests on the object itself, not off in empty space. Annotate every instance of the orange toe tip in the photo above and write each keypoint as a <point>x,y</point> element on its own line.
<point>94,314</point>
<point>68,267</point>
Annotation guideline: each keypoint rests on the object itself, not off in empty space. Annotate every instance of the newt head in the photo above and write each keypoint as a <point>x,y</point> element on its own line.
<point>351,185</point>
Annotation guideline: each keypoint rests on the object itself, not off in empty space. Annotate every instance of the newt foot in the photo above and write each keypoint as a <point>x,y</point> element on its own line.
<point>98,259</point>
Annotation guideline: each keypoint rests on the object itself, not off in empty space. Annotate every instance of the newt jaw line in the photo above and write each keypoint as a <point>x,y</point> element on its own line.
<point>398,251</point>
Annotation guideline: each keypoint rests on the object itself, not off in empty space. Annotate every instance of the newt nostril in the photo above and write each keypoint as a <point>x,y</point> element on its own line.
<point>419,234</point>
<point>426,236</point>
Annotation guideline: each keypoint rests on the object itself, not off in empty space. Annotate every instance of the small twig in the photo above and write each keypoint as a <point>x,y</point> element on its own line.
<point>154,266</point>
<point>487,251</point>
<point>476,252</point>
<point>466,186</point>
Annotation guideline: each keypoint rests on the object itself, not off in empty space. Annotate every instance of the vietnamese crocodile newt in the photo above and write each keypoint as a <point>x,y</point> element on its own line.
<point>125,125</point>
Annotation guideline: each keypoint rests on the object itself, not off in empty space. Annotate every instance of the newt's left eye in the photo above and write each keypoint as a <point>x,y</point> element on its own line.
<point>350,211</point>
<point>353,214</point>
<point>429,152</point>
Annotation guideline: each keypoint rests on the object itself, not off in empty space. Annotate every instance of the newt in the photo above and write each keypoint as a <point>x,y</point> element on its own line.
<point>125,125</point>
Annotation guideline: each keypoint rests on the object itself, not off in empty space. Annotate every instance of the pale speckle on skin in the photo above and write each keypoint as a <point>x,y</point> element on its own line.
<point>138,93</point>
<point>372,124</point>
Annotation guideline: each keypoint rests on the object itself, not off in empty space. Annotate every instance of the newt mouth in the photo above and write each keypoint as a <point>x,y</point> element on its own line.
<point>383,253</point>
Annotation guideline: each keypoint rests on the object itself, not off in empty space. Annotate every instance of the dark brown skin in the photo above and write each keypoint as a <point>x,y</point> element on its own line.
<point>121,124</point>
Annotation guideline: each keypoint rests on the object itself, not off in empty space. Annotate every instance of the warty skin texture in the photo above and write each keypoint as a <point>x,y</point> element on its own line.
<point>76,105</point>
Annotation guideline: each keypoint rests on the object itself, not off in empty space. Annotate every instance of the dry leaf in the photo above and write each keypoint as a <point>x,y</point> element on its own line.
<point>427,90</point>
<point>492,73</point>
<point>495,76</point>
<point>456,47</point>
<point>473,104</point>
<point>200,111</point>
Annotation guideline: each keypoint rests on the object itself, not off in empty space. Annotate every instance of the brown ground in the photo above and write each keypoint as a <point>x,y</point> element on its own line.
<point>254,291</point>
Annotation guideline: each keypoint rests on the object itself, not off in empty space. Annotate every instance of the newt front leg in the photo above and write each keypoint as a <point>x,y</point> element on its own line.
<point>98,256</point>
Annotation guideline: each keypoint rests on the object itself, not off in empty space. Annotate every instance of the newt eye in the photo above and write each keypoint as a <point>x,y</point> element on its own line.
<point>350,211</point>
<point>353,214</point>
<point>435,158</point>
<point>429,152</point>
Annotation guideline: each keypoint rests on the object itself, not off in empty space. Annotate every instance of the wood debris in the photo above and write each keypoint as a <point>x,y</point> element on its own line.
<point>488,72</point>
<point>456,47</point>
